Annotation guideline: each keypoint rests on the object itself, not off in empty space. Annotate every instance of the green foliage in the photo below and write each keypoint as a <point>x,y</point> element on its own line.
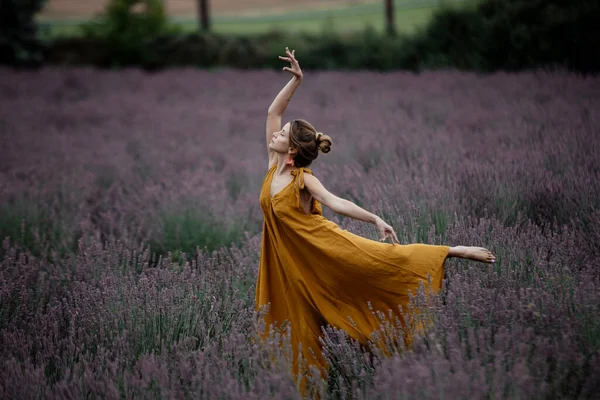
<point>462,39</point>
<point>510,35</point>
<point>190,229</point>
<point>490,35</point>
<point>32,228</point>
<point>19,44</point>
<point>126,27</point>
<point>549,31</point>
<point>235,184</point>
<point>450,40</point>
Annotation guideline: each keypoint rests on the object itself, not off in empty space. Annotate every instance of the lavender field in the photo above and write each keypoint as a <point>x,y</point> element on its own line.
<point>130,230</point>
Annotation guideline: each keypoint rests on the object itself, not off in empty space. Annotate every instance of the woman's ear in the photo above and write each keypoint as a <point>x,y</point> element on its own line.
<point>292,151</point>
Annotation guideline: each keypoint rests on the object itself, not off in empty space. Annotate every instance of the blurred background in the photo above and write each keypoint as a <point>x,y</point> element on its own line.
<point>254,16</point>
<point>481,35</point>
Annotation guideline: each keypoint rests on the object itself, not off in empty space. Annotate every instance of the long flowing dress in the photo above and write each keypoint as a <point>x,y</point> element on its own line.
<point>313,273</point>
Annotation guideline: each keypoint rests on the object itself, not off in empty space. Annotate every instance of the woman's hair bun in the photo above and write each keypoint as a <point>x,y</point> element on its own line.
<point>324,142</point>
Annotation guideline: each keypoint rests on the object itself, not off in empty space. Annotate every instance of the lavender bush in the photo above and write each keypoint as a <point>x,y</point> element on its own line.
<point>131,231</point>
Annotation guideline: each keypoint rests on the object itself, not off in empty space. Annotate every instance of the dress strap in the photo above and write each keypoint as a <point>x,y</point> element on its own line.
<point>299,184</point>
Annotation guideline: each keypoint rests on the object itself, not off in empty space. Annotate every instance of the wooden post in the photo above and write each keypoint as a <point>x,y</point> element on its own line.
<point>203,15</point>
<point>389,18</point>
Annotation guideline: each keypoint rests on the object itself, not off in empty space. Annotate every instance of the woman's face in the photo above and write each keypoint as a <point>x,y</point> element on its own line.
<point>281,140</point>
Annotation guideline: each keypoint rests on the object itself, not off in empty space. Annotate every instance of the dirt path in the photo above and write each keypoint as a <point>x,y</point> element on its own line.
<point>63,9</point>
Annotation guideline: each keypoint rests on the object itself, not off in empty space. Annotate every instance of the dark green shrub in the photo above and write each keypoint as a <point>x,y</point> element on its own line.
<point>19,44</point>
<point>81,51</point>
<point>198,49</point>
<point>492,35</point>
<point>527,33</point>
<point>127,27</point>
<point>510,35</point>
<point>453,39</point>
<point>370,50</point>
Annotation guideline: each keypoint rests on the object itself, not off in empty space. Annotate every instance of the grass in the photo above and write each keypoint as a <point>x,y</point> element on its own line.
<point>409,15</point>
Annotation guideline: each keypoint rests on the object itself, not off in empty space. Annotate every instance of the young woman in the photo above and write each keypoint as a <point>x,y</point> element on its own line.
<point>311,272</point>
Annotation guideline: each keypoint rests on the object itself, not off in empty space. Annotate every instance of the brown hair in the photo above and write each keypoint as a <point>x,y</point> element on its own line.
<point>307,141</point>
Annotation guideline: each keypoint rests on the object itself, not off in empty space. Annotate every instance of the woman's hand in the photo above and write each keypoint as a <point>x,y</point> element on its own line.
<point>386,231</point>
<point>295,67</point>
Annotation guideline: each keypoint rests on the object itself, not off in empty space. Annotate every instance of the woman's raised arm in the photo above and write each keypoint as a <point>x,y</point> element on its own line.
<point>279,105</point>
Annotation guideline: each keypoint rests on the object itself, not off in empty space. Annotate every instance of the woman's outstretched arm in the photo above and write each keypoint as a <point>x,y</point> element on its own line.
<point>347,208</point>
<point>279,105</point>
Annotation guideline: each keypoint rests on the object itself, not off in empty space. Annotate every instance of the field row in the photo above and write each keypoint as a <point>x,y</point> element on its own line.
<point>409,15</point>
<point>131,231</point>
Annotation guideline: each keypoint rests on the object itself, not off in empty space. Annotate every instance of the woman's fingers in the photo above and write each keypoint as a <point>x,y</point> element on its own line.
<point>295,73</point>
<point>391,234</point>
<point>291,54</point>
<point>291,60</point>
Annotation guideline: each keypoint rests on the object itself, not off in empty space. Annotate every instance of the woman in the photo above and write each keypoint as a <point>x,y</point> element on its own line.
<point>313,273</point>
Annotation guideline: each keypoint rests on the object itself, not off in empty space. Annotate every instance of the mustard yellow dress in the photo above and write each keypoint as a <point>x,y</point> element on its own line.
<point>313,273</point>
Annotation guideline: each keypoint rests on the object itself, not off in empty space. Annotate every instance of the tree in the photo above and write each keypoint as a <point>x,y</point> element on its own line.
<point>203,14</point>
<point>19,42</point>
<point>389,17</point>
